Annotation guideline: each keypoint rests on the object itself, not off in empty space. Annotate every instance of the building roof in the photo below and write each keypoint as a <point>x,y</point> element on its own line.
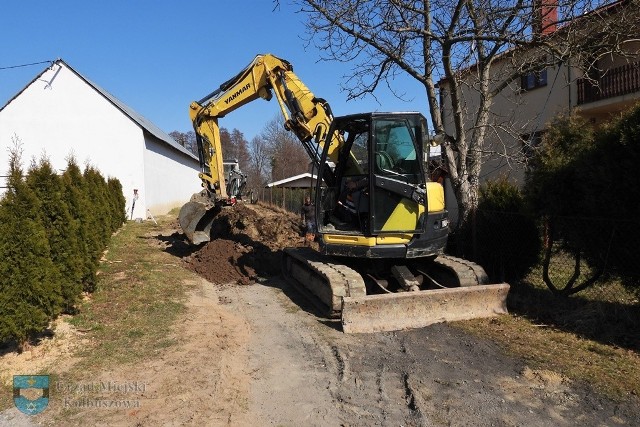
<point>142,121</point>
<point>304,180</point>
<point>558,29</point>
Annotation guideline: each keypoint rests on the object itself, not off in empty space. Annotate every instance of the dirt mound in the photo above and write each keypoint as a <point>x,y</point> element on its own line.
<point>246,243</point>
<point>272,227</point>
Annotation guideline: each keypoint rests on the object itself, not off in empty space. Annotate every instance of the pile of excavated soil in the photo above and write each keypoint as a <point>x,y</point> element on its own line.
<point>246,243</point>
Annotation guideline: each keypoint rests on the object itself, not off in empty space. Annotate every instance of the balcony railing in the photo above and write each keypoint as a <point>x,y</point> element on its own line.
<point>616,82</point>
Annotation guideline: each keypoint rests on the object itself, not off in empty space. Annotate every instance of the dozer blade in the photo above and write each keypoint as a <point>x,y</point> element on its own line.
<point>406,310</point>
<point>196,219</point>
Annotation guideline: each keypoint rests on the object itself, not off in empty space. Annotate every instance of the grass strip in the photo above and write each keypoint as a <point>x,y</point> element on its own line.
<point>140,295</point>
<point>610,370</point>
<point>141,292</point>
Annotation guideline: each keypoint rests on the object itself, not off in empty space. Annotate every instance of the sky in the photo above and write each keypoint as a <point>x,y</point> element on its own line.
<point>157,56</point>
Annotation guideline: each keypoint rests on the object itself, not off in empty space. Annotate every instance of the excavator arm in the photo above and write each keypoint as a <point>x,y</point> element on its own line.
<point>305,115</point>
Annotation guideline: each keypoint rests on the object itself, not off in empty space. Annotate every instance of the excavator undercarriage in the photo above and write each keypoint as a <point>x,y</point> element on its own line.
<point>410,294</point>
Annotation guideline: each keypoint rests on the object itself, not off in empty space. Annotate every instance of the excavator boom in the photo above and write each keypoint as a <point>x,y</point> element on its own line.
<point>305,115</point>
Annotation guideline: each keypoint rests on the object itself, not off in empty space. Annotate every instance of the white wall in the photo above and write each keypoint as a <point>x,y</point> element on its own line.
<point>59,114</point>
<point>171,177</point>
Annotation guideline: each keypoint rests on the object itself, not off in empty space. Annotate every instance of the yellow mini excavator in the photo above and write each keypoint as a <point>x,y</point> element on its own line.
<point>382,224</point>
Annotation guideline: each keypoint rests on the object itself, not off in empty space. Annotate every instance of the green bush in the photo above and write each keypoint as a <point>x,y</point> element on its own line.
<point>587,174</point>
<point>553,182</point>
<point>508,243</point>
<point>30,294</point>
<point>61,229</point>
<point>118,204</point>
<point>611,188</point>
<point>82,210</point>
<point>97,193</point>
<point>53,230</point>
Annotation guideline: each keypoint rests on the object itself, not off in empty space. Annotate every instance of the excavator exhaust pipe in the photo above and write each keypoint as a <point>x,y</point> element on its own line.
<point>406,310</point>
<point>196,219</point>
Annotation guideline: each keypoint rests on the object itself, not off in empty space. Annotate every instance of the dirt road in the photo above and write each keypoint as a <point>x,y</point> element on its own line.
<point>253,355</point>
<point>252,351</point>
<point>305,372</point>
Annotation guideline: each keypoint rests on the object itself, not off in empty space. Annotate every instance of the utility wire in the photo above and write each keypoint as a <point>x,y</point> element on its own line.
<point>26,65</point>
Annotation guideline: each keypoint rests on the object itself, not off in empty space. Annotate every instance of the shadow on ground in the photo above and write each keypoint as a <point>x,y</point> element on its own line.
<point>35,340</point>
<point>605,322</point>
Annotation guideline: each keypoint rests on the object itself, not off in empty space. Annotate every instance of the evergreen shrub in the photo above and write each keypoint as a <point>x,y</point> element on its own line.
<point>508,242</point>
<point>53,231</point>
<point>30,293</point>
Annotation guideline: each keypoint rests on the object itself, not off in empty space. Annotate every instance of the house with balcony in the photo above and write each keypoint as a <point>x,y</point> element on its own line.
<point>522,112</point>
<point>616,88</point>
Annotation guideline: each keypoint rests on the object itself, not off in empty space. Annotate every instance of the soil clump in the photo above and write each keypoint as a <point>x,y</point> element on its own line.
<point>246,243</point>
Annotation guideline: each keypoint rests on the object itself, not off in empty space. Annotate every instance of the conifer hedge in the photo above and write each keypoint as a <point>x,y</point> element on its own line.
<point>592,174</point>
<point>507,235</point>
<point>53,230</point>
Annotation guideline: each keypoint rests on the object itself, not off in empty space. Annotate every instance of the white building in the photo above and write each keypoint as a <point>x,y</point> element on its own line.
<point>62,113</point>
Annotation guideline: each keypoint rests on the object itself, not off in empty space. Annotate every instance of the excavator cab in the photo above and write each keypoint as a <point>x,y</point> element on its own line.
<point>380,203</point>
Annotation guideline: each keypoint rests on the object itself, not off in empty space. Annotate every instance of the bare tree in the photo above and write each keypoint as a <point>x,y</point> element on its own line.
<point>234,146</point>
<point>187,140</point>
<point>241,148</point>
<point>179,137</point>
<point>287,156</point>
<point>228,150</point>
<point>258,167</point>
<point>467,51</point>
<point>190,142</point>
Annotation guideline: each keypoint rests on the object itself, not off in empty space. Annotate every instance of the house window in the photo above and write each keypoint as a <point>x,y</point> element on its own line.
<point>533,80</point>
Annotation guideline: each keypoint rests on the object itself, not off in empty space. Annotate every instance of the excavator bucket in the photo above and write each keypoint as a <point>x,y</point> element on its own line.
<point>406,310</point>
<point>196,219</point>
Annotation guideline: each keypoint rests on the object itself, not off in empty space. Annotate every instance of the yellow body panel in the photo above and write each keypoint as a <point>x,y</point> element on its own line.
<point>407,212</point>
<point>435,197</point>
<point>354,240</point>
<point>405,216</point>
<point>394,239</point>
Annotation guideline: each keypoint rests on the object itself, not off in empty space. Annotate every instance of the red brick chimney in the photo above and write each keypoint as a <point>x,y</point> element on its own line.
<point>546,17</point>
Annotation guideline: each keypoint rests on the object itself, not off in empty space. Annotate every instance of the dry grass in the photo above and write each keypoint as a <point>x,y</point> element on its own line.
<point>140,295</point>
<point>592,337</point>
<point>592,342</point>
